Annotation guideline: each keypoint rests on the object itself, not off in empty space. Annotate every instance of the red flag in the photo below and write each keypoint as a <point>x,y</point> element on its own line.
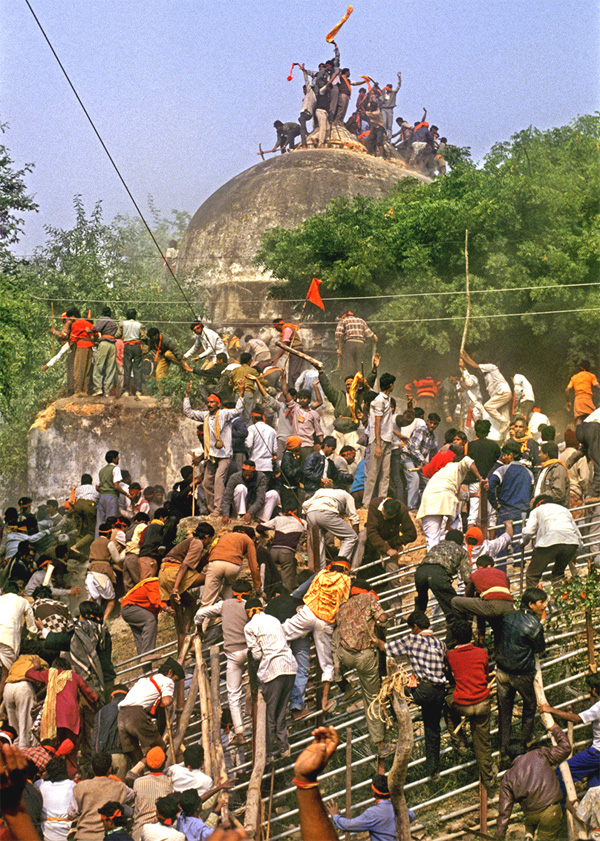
<point>290,77</point>
<point>314,296</point>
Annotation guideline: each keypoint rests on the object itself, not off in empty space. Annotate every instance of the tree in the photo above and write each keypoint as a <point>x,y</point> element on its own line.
<point>532,212</point>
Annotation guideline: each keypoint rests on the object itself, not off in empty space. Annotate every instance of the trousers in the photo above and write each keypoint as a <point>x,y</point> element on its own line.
<point>431,697</point>
<point>352,357</point>
<point>105,367</point>
<point>378,472</point>
<point>144,626</point>
<point>19,699</point>
<point>220,575</point>
<point>507,687</point>
<point>215,477</point>
<point>305,622</point>
<point>332,523</point>
<point>561,554</point>
<point>434,527</point>
<point>366,664</point>
<point>277,695</point>
<point>108,506</point>
<point>435,578</point>
<point>301,651</point>
<point>82,368</point>
<point>234,673</point>
<point>240,495</point>
<point>478,716</point>
<point>132,368</point>
<point>286,561</point>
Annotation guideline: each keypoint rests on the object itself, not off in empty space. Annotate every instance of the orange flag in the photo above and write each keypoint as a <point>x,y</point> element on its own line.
<point>314,296</point>
<point>331,35</point>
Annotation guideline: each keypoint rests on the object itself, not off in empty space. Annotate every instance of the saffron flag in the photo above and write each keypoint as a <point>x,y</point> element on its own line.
<point>290,77</point>
<point>331,35</point>
<point>314,296</point>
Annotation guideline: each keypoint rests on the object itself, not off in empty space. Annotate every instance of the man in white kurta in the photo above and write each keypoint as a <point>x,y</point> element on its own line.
<point>440,501</point>
<point>13,610</point>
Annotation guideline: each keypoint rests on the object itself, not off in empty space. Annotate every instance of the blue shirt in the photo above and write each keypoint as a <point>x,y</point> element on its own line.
<point>194,829</point>
<point>510,487</point>
<point>359,477</point>
<point>377,820</point>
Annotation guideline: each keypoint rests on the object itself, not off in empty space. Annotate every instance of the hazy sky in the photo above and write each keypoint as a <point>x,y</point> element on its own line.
<point>184,91</point>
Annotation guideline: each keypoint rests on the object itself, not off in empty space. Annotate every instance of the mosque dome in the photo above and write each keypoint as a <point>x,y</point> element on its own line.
<point>225,233</point>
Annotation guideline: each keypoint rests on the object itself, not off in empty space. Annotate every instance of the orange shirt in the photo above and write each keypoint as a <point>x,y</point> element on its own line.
<point>326,593</point>
<point>145,594</point>
<point>582,384</point>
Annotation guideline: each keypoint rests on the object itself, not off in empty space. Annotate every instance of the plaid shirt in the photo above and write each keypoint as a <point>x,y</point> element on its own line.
<point>53,615</point>
<point>353,329</point>
<point>422,445</point>
<point>427,655</point>
<point>39,755</point>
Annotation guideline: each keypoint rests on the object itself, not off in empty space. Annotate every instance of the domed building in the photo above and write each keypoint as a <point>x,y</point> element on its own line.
<point>225,232</point>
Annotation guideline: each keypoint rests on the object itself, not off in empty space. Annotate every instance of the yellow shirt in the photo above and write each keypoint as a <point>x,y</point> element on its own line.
<point>326,593</point>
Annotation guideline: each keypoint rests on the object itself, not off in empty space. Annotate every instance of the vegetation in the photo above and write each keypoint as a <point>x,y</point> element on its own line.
<point>532,212</point>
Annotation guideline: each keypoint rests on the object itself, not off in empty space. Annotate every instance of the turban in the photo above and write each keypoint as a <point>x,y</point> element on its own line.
<point>474,533</point>
<point>155,758</point>
<point>294,442</point>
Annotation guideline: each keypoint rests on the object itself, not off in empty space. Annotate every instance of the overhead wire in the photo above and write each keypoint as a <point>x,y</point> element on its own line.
<point>110,157</point>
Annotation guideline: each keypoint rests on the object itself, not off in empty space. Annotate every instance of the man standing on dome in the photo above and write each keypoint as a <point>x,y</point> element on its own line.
<point>351,334</point>
<point>289,335</point>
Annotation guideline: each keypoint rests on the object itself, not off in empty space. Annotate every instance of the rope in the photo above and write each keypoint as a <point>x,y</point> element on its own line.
<point>116,168</point>
<point>396,681</point>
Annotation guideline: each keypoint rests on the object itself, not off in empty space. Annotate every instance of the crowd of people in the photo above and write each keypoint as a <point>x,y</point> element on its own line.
<point>292,464</point>
<point>327,92</point>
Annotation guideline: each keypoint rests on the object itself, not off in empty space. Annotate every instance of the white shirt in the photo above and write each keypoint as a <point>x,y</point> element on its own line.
<point>211,344</point>
<point>523,388</point>
<point>56,800</point>
<point>494,381</point>
<point>334,500</point>
<point>490,547</point>
<point>183,778</point>
<point>381,408</point>
<point>407,431</point>
<point>86,492</point>
<point>592,716</point>
<point>441,493</point>
<point>267,643</point>
<point>593,418</point>
<point>158,832</point>
<point>143,693</point>
<point>225,418</point>
<point>261,444</point>
<point>259,350</point>
<point>13,609</point>
<point>536,420</point>
<point>549,524</point>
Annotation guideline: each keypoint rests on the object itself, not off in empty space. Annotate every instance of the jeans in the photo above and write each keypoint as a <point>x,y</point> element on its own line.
<point>277,695</point>
<point>586,763</point>
<point>431,697</point>
<point>301,651</point>
<point>508,686</point>
<point>560,553</point>
<point>415,482</point>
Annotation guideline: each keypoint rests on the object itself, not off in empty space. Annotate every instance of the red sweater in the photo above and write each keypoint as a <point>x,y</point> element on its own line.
<point>470,668</point>
<point>437,462</point>
<point>486,579</point>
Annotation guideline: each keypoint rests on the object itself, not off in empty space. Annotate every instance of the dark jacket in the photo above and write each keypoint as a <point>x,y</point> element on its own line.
<point>343,415</point>
<point>105,736</point>
<point>162,343</point>
<point>521,638</point>
<point>313,470</point>
<point>291,469</point>
<point>531,780</point>
<point>255,501</point>
<point>556,483</point>
<point>385,534</point>
<point>239,433</point>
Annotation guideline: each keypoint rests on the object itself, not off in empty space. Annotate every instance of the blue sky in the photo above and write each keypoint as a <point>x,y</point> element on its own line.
<point>183,92</point>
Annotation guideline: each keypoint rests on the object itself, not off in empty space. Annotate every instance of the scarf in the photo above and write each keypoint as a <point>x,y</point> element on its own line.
<point>352,395</point>
<point>56,683</point>
<point>218,443</point>
<point>87,634</point>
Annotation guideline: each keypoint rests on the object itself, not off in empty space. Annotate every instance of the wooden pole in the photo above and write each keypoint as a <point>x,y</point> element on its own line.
<point>483,511</point>
<point>468,288</point>
<point>547,721</point>
<point>201,665</point>
<point>194,490</point>
<point>315,539</point>
<point>186,713</point>
<point>348,776</point>
<point>253,795</point>
<point>397,775</point>
<point>483,807</point>
<point>216,707</point>
<point>589,633</point>
<point>52,308</point>
<point>270,809</point>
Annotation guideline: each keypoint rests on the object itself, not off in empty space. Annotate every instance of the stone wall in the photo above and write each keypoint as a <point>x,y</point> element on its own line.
<point>72,435</point>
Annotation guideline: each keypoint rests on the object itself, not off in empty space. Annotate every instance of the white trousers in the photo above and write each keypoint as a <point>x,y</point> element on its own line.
<point>19,699</point>
<point>434,527</point>
<point>234,673</point>
<point>305,622</point>
<point>240,494</point>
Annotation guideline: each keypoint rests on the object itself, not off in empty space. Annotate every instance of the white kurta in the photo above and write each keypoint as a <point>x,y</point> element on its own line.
<point>440,497</point>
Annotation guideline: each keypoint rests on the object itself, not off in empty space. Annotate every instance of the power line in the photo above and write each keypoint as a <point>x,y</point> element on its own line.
<point>103,144</point>
<point>341,298</point>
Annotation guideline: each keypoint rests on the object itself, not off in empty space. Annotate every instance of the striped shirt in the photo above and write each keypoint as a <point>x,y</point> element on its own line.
<point>147,790</point>
<point>353,329</point>
<point>427,655</point>
<point>267,644</point>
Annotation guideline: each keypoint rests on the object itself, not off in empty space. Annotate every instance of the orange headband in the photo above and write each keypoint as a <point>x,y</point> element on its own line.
<point>214,397</point>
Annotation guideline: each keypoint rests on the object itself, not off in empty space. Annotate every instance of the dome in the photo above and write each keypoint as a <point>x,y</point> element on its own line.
<point>225,233</point>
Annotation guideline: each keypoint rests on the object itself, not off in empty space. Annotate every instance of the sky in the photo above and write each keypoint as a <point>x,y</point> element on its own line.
<point>183,92</point>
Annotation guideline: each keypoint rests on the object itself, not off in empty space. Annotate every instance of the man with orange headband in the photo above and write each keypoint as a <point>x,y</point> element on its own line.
<point>113,821</point>
<point>90,795</point>
<point>276,672</point>
<point>218,444</point>
<point>234,619</point>
<point>378,820</point>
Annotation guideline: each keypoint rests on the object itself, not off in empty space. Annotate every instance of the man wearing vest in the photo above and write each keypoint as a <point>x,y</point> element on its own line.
<point>218,447</point>
<point>105,364</point>
<point>487,596</point>
<point>109,487</point>
<point>137,729</point>
<point>105,556</point>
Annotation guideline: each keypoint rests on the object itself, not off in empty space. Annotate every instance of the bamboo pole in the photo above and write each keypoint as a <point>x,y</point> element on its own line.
<point>468,288</point>
<point>216,707</point>
<point>397,775</point>
<point>348,776</point>
<point>315,540</point>
<point>483,807</point>
<point>186,713</point>
<point>589,633</point>
<point>201,665</point>
<point>253,796</point>
<point>547,720</point>
<point>52,308</point>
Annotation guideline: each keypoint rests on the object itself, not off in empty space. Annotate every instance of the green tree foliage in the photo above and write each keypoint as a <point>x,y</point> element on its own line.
<point>532,211</point>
